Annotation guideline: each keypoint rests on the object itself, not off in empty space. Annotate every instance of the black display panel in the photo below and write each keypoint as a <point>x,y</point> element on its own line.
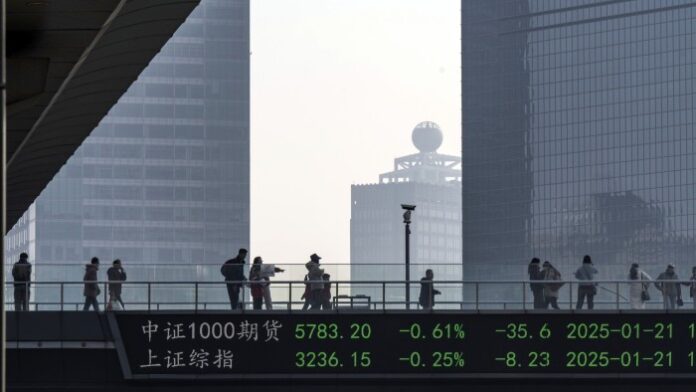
<point>404,345</point>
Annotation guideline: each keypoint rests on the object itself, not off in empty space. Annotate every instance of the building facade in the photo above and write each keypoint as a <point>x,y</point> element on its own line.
<point>432,182</point>
<point>578,135</point>
<point>164,178</point>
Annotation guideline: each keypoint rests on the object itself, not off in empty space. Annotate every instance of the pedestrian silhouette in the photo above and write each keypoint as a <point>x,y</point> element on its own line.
<point>638,288</point>
<point>586,288</point>
<point>534,271</point>
<point>692,286</point>
<point>315,280</point>
<point>551,288</point>
<point>233,271</point>
<point>671,291</point>
<point>259,278</point>
<point>91,290</point>
<point>326,292</point>
<point>426,299</point>
<point>116,275</point>
<point>21,274</point>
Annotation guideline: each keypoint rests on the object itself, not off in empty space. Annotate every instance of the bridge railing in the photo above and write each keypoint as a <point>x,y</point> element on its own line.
<point>290,295</point>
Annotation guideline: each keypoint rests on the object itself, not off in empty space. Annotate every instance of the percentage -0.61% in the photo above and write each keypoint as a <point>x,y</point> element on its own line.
<point>438,360</point>
<point>439,331</point>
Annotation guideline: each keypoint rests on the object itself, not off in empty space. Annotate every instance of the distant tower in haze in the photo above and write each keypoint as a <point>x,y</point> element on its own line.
<point>432,182</point>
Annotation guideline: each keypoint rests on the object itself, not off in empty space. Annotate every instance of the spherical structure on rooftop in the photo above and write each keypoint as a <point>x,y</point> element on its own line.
<point>427,136</point>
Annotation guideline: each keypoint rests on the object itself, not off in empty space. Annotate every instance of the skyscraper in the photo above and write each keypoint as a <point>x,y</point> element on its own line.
<point>577,135</point>
<point>164,178</point>
<point>432,182</point>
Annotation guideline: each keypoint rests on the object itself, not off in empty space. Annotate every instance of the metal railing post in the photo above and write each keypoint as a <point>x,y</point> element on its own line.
<point>290,296</point>
<point>62,299</point>
<point>149,296</point>
<point>570,289</point>
<point>476,287</point>
<point>195,296</point>
<point>106,300</point>
<point>617,296</point>
<point>384,295</point>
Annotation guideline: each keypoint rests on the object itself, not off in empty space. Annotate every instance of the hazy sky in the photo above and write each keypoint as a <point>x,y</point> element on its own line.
<point>336,88</point>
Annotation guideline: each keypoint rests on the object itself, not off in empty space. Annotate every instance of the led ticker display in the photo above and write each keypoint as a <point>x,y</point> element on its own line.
<point>220,345</point>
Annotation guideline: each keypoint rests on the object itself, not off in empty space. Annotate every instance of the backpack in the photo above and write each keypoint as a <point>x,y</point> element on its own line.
<point>20,272</point>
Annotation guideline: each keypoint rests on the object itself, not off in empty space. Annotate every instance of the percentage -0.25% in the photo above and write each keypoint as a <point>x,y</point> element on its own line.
<point>438,360</point>
<point>439,331</point>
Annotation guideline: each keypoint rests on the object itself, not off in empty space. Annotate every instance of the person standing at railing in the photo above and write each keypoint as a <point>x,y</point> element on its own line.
<point>692,286</point>
<point>638,288</point>
<point>551,290</point>
<point>671,291</point>
<point>233,271</point>
<point>426,299</point>
<point>21,274</point>
<point>586,288</point>
<point>91,290</point>
<point>326,292</point>
<point>260,278</point>
<point>315,280</point>
<point>116,275</point>
<point>534,271</point>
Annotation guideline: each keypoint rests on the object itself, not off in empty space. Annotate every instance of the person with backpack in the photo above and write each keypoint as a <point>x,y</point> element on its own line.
<point>233,271</point>
<point>116,275</point>
<point>551,289</point>
<point>668,283</point>
<point>21,274</point>
<point>586,288</point>
<point>91,290</point>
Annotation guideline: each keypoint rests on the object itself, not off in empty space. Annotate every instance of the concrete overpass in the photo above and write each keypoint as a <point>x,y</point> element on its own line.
<point>68,62</point>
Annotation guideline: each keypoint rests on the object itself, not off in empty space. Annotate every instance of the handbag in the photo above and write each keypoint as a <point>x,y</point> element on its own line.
<point>644,296</point>
<point>680,302</point>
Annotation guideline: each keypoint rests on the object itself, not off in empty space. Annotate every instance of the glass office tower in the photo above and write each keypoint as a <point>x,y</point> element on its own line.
<point>578,135</point>
<point>165,177</point>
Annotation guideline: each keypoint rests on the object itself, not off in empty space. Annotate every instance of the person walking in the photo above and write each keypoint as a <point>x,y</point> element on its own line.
<point>306,293</point>
<point>91,290</point>
<point>551,290</point>
<point>315,280</point>
<point>668,283</point>
<point>21,274</point>
<point>426,299</point>
<point>233,271</point>
<point>116,275</point>
<point>586,288</point>
<point>692,286</point>
<point>534,271</point>
<point>638,288</point>
<point>259,276</point>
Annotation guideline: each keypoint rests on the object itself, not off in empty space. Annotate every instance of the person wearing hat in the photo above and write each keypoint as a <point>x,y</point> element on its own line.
<point>537,288</point>
<point>233,271</point>
<point>668,283</point>
<point>21,274</point>
<point>116,275</point>
<point>586,288</point>
<point>315,282</point>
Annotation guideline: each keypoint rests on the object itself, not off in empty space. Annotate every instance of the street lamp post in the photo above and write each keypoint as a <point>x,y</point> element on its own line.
<point>407,259</point>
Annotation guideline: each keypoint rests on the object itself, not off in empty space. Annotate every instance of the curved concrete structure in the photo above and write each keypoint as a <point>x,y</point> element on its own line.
<point>68,64</point>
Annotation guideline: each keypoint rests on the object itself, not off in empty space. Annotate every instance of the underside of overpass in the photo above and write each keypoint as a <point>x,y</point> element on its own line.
<point>68,62</point>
